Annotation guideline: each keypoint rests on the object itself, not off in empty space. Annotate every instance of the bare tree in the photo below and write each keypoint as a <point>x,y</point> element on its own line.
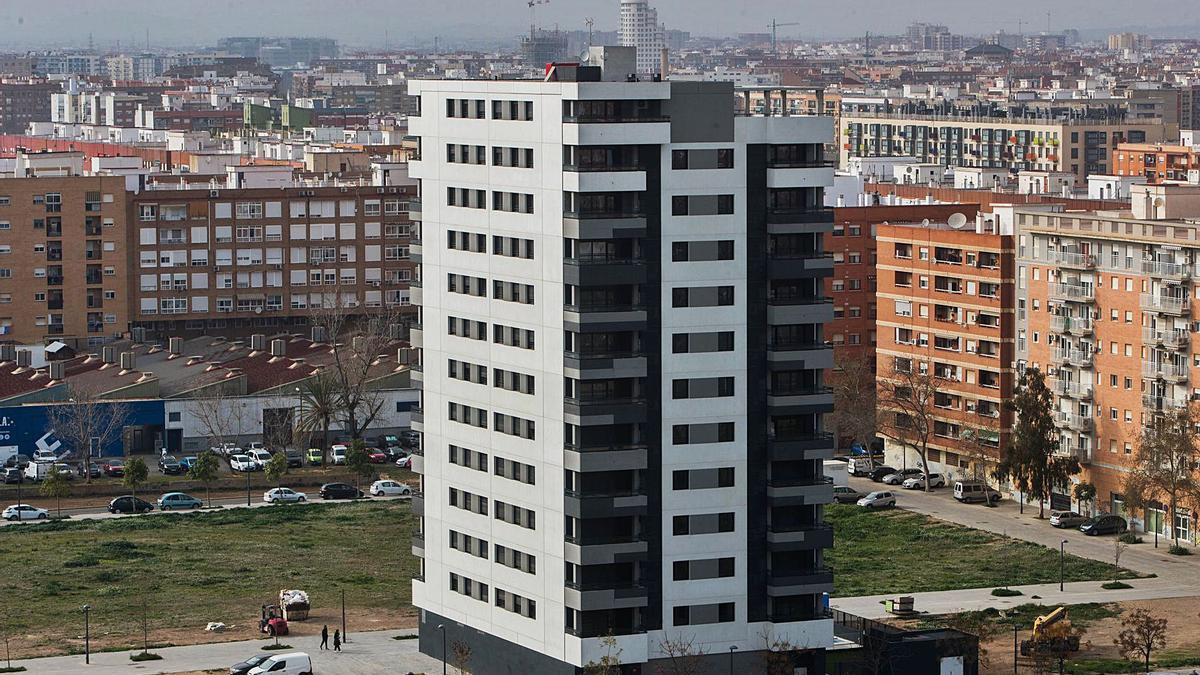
<point>1141,634</point>
<point>460,656</point>
<point>854,394</point>
<point>86,420</point>
<point>1164,463</point>
<point>684,657</point>
<point>1118,549</point>
<point>220,415</point>
<point>778,654</point>
<point>369,335</point>
<point>907,414</point>
<point>610,662</point>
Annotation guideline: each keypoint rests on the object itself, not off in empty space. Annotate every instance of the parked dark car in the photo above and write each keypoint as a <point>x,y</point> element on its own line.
<point>878,473</point>
<point>129,504</point>
<point>294,458</point>
<point>93,470</point>
<point>114,467</point>
<point>169,466</point>
<point>249,664</point>
<point>14,475</point>
<point>1104,524</point>
<point>340,491</point>
<point>18,461</point>
<point>410,438</point>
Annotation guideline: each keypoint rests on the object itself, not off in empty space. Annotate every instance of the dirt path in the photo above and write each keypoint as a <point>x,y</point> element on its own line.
<point>302,634</point>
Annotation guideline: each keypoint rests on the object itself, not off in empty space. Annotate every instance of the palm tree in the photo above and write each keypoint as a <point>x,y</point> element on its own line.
<point>320,399</point>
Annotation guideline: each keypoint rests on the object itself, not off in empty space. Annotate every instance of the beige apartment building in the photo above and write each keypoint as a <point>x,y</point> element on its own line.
<point>1107,305</point>
<point>64,259</point>
<point>1078,146</point>
<point>249,260</point>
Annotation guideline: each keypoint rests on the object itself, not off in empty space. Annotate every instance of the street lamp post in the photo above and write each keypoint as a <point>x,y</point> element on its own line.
<point>87,635</point>
<point>732,649</point>
<point>247,472</point>
<point>344,637</point>
<point>442,627</point>
<point>1015,647</point>
<point>1062,564</point>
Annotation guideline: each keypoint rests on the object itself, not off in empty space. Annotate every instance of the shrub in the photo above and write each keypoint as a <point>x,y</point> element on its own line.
<point>274,646</point>
<point>1129,538</point>
<point>1114,585</point>
<point>144,656</point>
<point>1178,550</point>
<point>1005,592</point>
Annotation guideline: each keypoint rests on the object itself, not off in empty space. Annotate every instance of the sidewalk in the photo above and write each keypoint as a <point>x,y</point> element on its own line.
<point>950,602</point>
<point>373,653</point>
<point>1006,520</point>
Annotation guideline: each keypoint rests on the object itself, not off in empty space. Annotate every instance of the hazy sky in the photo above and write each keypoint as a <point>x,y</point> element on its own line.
<point>25,23</point>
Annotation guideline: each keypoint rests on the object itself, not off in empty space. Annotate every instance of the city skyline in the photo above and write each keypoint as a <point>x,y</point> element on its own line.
<point>411,25</point>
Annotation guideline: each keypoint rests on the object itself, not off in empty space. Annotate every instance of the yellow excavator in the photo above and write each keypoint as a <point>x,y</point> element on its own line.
<point>1052,634</point>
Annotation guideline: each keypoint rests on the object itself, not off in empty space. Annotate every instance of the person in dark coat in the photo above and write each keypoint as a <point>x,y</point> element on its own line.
<point>325,637</point>
<point>337,640</point>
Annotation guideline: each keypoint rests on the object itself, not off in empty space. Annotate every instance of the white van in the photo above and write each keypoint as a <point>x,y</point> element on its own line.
<point>974,491</point>
<point>296,663</point>
<point>860,466</point>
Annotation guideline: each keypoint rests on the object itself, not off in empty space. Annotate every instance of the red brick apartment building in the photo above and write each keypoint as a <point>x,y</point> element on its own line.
<point>1156,162</point>
<point>82,259</point>
<point>252,260</point>
<point>64,259</point>
<point>853,284</point>
<point>1110,309</point>
<point>946,307</point>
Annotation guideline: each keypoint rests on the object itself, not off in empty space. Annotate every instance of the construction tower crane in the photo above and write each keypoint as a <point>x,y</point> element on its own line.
<point>773,26</point>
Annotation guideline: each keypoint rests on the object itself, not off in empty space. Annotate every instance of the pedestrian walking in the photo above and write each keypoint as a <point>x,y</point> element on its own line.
<point>337,640</point>
<point>325,637</point>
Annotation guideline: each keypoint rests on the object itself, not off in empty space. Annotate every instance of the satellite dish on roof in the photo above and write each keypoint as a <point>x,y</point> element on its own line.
<point>957,221</point>
<point>925,222</point>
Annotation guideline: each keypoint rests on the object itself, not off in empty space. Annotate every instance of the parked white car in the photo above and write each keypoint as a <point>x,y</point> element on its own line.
<point>45,456</point>
<point>918,482</point>
<point>878,500</point>
<point>282,495</point>
<point>337,454</point>
<point>242,463</point>
<point>260,457</point>
<point>296,663</point>
<point>389,488</point>
<point>24,512</point>
<point>404,462</point>
<point>256,445</point>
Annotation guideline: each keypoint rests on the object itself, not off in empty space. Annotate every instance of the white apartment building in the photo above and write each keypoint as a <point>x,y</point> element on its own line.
<point>640,29</point>
<point>621,372</point>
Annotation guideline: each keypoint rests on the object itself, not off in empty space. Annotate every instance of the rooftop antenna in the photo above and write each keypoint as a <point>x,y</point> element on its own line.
<point>590,22</point>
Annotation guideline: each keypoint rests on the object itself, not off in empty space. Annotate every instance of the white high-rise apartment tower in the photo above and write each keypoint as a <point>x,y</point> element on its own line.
<point>622,372</point>
<point>640,29</point>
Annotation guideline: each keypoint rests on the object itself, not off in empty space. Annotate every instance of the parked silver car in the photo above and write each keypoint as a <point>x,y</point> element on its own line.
<point>1067,519</point>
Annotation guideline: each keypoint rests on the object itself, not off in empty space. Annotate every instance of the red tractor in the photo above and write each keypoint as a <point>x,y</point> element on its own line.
<point>272,622</point>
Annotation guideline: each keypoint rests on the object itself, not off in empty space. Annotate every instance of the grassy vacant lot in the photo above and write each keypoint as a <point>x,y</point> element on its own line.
<point>189,569</point>
<point>878,552</point>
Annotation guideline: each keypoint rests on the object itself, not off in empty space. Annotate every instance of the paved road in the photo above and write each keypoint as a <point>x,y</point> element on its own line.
<point>1005,519</point>
<point>98,513</point>
<point>949,602</point>
<point>374,653</point>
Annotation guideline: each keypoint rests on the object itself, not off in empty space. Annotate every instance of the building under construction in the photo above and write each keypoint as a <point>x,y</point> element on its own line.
<point>544,46</point>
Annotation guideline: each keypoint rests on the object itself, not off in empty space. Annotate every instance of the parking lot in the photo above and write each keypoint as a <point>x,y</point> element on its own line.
<point>1006,519</point>
<point>307,474</point>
